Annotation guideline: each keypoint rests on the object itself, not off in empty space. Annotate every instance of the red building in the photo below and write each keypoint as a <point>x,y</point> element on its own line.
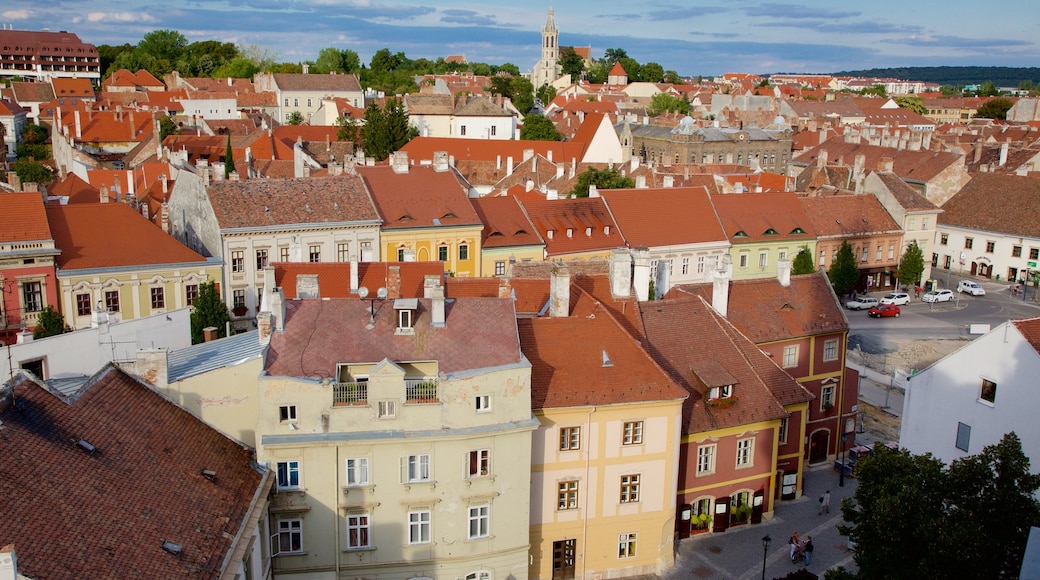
<point>27,253</point>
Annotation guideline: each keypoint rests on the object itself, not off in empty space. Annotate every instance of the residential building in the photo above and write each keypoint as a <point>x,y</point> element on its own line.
<point>989,229</point>
<point>462,116</point>
<point>115,265</point>
<point>125,81</point>
<point>398,453</point>
<point>178,498</point>
<point>303,93</point>
<point>250,224</point>
<point>605,456</point>
<point>974,396</point>
<point>426,215</point>
<point>917,216</point>
<point>767,149</point>
<point>508,236</point>
<point>30,95</point>
<point>574,229</point>
<point>27,261</point>
<point>13,118</point>
<point>763,229</point>
<point>344,279</point>
<point>43,55</point>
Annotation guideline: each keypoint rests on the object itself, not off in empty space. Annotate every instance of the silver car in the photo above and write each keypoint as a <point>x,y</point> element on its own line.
<point>862,303</point>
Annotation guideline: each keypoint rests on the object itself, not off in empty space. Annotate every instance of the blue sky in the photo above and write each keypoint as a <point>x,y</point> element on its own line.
<point>690,36</point>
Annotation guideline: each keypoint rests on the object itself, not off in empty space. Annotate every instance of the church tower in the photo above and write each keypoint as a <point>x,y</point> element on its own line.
<point>548,68</point>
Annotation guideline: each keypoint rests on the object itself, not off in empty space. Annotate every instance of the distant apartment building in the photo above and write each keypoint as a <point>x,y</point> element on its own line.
<point>44,55</point>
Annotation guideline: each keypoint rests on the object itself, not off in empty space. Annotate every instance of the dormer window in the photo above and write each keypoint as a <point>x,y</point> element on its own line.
<point>740,234</point>
<point>723,392</point>
<point>797,231</point>
<point>771,232</point>
<point>405,309</point>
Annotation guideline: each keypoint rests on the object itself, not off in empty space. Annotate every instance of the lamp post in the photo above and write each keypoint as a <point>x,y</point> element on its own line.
<point>841,474</point>
<point>766,540</point>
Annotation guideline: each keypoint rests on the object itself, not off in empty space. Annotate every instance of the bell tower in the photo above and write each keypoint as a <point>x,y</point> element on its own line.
<point>548,68</point>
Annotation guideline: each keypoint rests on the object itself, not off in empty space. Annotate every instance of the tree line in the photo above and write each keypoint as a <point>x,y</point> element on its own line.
<point>1002,76</point>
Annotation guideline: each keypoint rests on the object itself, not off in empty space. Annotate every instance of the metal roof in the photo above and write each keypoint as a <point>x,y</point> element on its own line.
<point>208,356</point>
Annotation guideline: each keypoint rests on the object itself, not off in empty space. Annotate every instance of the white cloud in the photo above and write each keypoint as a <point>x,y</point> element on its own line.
<point>17,14</point>
<point>120,17</point>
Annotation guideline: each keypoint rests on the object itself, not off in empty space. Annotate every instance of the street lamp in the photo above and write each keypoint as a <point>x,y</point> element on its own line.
<point>766,540</point>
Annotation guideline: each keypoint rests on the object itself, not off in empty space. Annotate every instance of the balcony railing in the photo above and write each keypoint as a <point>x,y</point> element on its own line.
<point>420,391</point>
<point>349,394</point>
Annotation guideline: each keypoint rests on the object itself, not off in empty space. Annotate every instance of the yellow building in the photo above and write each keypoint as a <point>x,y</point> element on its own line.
<point>764,228</point>
<point>509,236</point>
<point>426,215</point>
<point>116,265</point>
<point>574,229</point>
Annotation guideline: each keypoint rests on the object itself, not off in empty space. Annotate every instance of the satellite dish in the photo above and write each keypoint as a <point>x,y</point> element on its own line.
<point>381,293</point>
<point>362,292</point>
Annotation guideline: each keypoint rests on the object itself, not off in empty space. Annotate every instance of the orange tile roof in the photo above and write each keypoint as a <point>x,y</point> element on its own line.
<point>423,148</point>
<point>664,217</point>
<point>22,218</point>
<point>334,277</point>
<point>841,216</point>
<point>66,87</point>
<point>757,215</point>
<point>505,223</point>
<point>31,92</point>
<point>77,190</point>
<point>993,202</point>
<point>1030,329</point>
<point>420,198</point>
<point>110,235</point>
<point>916,165</point>
<point>141,440</point>
<point>588,220</point>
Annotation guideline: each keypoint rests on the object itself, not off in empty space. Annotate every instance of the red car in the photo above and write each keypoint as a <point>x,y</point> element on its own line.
<point>884,310</point>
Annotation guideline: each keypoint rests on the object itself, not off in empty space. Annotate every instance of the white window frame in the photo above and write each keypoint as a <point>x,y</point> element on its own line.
<point>292,468</point>
<point>386,409</point>
<point>826,396</point>
<point>479,519</point>
<point>706,459</point>
<point>359,531</point>
<point>420,526</point>
<point>479,574</point>
<point>700,264</point>
<point>357,472</point>
<point>743,260</point>
<point>627,545</point>
<point>478,463</point>
<point>567,494</point>
<point>790,356</point>
<point>483,403</point>
<point>746,452</point>
<point>632,433</point>
<point>782,436</point>
<point>763,259</point>
<point>289,529</point>
<point>287,413</point>
<point>629,490</point>
<point>238,261</point>
<point>417,468</point>
<point>723,392</point>
<point>830,350</point>
<point>685,266</point>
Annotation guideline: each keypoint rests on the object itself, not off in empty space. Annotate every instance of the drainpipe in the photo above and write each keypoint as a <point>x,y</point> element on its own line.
<point>339,495</point>
<point>585,523</point>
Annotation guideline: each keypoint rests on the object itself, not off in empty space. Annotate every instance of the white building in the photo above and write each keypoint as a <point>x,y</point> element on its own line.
<point>974,396</point>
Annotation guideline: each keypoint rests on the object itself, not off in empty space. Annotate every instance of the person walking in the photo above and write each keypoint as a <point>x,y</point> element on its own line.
<point>808,549</point>
<point>793,541</point>
<point>825,502</point>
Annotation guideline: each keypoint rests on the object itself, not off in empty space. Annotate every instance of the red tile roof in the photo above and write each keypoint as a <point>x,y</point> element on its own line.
<point>109,235</point>
<point>419,198</point>
<point>1030,329</point>
<point>106,513</point>
<point>65,87</point>
<point>992,202</point>
<point>316,82</point>
<point>848,215</point>
<point>423,148</point>
<point>587,220</point>
<point>77,190</point>
<point>334,277</point>
<point>320,334</point>
<point>664,217</point>
<point>258,203</point>
<point>755,215</point>
<point>505,223</point>
<point>22,218</point>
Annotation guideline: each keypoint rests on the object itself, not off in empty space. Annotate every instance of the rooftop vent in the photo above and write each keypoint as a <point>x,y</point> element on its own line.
<point>171,548</point>
<point>209,474</point>
<point>85,446</point>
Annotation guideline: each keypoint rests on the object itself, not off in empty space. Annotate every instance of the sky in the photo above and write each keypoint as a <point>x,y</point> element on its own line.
<point>692,37</point>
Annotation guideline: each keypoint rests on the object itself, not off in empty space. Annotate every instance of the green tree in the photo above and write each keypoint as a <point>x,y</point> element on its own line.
<point>612,55</point>
<point>204,57</point>
<point>167,127</point>
<point>571,63</point>
<point>208,310</point>
<point>631,67</point>
<point>50,323</point>
<point>295,118</point>
<point>911,266</point>
<point>350,129</point>
<point>238,68</point>
<point>877,90</point>
<point>667,103</point>
<point>165,45</point>
<point>522,94</point>
<point>987,89</point>
<point>539,128</point>
<point>651,72</point>
<point>335,60</point>
<point>508,67</point>
<point>34,143</point>
<point>995,108</point>
<point>107,55</point>
<point>844,273</point>
<point>386,130</point>
<point>34,134</point>
<point>229,159</point>
<point>598,72</point>
<point>32,172</point>
<point>803,262</point>
<point>670,76</point>
<point>546,94</point>
<point>914,104</point>
<point>603,179</point>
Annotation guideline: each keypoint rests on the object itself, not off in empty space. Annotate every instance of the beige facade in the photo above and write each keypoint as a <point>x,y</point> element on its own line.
<point>585,520</point>
<point>760,258</point>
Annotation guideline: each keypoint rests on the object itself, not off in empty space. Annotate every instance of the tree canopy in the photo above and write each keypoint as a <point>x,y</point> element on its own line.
<point>571,63</point>
<point>386,130</point>
<point>844,273</point>
<point>208,310</point>
<point>338,61</point>
<point>995,108</point>
<point>49,323</point>
<point>32,172</point>
<point>667,103</point>
<point>539,128</point>
<point>911,266</point>
<point>609,178</point>
<point>803,262</point>
<point>914,104</point>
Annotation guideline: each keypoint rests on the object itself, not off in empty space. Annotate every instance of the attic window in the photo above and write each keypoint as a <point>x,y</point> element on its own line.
<point>740,234</point>
<point>606,360</point>
<point>405,308</point>
<point>405,218</point>
<point>588,232</point>
<point>798,231</point>
<point>448,215</point>
<point>771,232</point>
<point>570,232</point>
<point>172,548</point>
<point>716,393</point>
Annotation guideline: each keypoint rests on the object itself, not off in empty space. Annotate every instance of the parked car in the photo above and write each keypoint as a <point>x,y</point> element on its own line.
<point>862,303</point>
<point>971,288</point>
<point>938,296</point>
<point>884,311</point>
<point>899,298</point>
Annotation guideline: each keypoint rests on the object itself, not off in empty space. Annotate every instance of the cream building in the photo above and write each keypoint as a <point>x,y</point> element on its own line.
<point>303,93</point>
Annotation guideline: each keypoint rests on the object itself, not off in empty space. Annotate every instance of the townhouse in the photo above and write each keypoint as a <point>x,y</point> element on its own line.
<point>764,229</point>
<point>27,260</point>
<point>574,229</point>
<point>508,235</point>
<point>462,116</point>
<point>917,216</point>
<point>303,93</point>
<point>42,55</point>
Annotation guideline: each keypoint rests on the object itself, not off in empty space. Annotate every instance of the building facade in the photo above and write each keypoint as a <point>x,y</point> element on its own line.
<point>766,149</point>
<point>27,264</point>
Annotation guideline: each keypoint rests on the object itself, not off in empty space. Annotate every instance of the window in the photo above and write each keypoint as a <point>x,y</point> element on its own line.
<point>629,488</point>
<point>745,452</point>
<point>314,252</point>
<point>288,539</point>
<point>483,403</point>
<point>261,259</point>
<point>685,266</point>
<point>287,101</point>
<point>404,318</point>
<point>32,296</point>
<point>288,475</point>
<point>462,130</point>
<point>343,252</point>
<point>238,261</point>
<point>632,433</point>
<point>567,495</point>
<point>823,257</point>
<point>493,132</point>
<point>400,254</point>
<point>627,545</point>
<point>387,409</point>
<point>287,413</point>
<point>1034,253</point>
<point>479,521</point>
<point>479,463</point>
<point>158,298</point>
<point>790,356</point>
<point>419,527</point>
<point>963,436</point>
<point>989,391</point>
<point>827,397</point>
<point>570,438</point>
<point>879,250</point>
<point>112,299</point>
<point>481,574</point>
<point>706,459</point>
<point>357,471</point>
<point>308,102</point>
<point>191,294</point>
<point>763,259</point>
<point>418,468</point>
<point>863,254</point>
<point>83,304</point>
<point>968,243</point>
<point>1016,251</point>
<point>891,252</point>
<point>283,254</point>
<point>700,264</point>
<point>783,430</point>
<point>723,392</point>
<point>990,246</point>
<point>357,531</point>
<point>238,299</point>
<point>944,239</point>
<point>500,268</point>
<point>909,223</point>
<point>463,252</point>
<point>830,350</point>
<point>743,260</point>
<point>442,253</point>
<point>781,255</point>
<point>296,102</point>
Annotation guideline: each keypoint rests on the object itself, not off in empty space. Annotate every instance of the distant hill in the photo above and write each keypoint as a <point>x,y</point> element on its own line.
<point>1002,76</point>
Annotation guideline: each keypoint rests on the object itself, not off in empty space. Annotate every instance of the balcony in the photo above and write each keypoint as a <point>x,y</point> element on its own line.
<point>421,391</point>
<point>350,394</point>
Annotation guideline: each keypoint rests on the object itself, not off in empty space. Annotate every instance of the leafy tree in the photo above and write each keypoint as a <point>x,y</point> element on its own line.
<point>546,94</point>
<point>295,118</point>
<point>995,108</point>
<point>262,58</point>
<point>613,55</point>
<point>651,72</point>
<point>165,45</point>
<point>667,103</point>
<point>107,55</point>
<point>670,76</point>
<point>539,128</point>
<point>229,159</point>
<point>987,89</point>
<point>914,104</point>
<point>603,179</point>
<point>911,266</point>
<point>208,310</point>
<point>844,273</point>
<point>571,63</point>
<point>50,323</point>
<point>522,94</point>
<point>204,57</point>
<point>384,61</point>
<point>877,90</point>
<point>598,72</point>
<point>32,172</point>
<point>803,262</point>
<point>34,134</point>
<point>386,130</point>
<point>349,130</point>
<point>238,68</point>
<point>335,60</point>
<point>631,67</point>
<point>508,67</point>
<point>167,127</point>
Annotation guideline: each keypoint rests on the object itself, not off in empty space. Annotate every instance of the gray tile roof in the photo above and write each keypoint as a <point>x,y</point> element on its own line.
<point>259,203</point>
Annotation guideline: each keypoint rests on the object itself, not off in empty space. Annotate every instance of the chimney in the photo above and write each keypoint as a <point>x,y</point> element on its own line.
<point>548,155</point>
<point>885,164</point>
<point>440,161</point>
<point>152,365</point>
<point>783,272</point>
<point>165,184</point>
<point>79,127</point>
<point>668,181</point>
<point>209,334</point>
<point>529,185</point>
<point>498,163</point>
<point>307,286</point>
<point>720,288</point>
<point>559,171</point>
<point>393,282</point>
<point>8,563</point>
<point>25,336</point>
<point>593,191</point>
<point>164,217</point>
<point>104,194</point>
<point>118,189</point>
<point>620,272</point>
<point>353,276</point>
<point>633,164</point>
<point>437,314</point>
<point>554,194</point>
<point>509,166</point>
<point>306,68</point>
<point>641,182</point>
<point>574,164</point>
<point>399,161</point>
<point>263,325</point>
<point>821,159</point>
<point>641,273</point>
<point>559,290</point>
<point>430,281</point>
<point>1003,154</point>
<point>528,153</point>
<point>662,283</point>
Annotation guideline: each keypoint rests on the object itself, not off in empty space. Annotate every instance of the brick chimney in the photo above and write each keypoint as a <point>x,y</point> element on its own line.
<point>164,217</point>
<point>104,194</point>
<point>559,290</point>
<point>393,282</point>
<point>720,286</point>
<point>209,334</point>
<point>399,161</point>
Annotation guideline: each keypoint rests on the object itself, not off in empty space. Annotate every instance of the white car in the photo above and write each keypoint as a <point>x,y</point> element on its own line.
<point>938,296</point>
<point>897,298</point>
<point>862,303</point>
<point>971,288</point>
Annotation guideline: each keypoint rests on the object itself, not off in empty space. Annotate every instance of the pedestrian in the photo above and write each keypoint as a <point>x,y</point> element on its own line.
<point>793,541</point>
<point>825,502</point>
<point>808,549</point>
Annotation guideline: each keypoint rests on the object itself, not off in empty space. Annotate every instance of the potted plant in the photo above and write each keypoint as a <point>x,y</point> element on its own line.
<point>827,407</point>
<point>700,522</point>
<point>723,403</point>
<point>239,310</point>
